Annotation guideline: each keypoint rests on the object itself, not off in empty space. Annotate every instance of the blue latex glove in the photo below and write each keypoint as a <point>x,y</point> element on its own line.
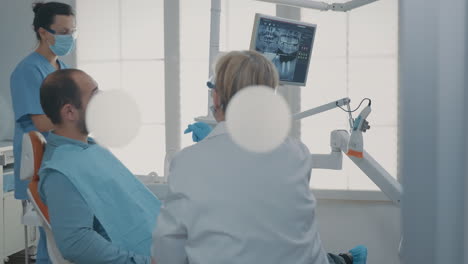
<point>199,131</point>
<point>359,254</point>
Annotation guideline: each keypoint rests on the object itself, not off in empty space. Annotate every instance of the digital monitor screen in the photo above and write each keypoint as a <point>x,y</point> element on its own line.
<point>287,43</point>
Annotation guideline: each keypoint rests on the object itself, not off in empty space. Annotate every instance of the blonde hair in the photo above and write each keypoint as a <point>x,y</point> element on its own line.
<point>239,69</point>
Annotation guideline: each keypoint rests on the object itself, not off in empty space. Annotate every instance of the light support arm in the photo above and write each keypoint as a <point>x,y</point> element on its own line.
<point>388,184</point>
<point>348,6</point>
<point>332,161</point>
<point>322,108</point>
<point>301,3</point>
<point>313,111</point>
<point>339,142</point>
<point>322,6</point>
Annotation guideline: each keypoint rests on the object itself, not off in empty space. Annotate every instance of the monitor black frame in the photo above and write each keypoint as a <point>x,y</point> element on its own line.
<point>253,40</point>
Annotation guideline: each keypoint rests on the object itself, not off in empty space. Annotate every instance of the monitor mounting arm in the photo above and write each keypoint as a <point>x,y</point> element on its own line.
<point>322,6</point>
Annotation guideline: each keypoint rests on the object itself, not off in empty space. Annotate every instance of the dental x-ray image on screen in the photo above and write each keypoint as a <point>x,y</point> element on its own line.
<point>287,43</point>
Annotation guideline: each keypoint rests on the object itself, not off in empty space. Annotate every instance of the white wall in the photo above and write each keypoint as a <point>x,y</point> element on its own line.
<point>17,41</point>
<point>123,48</point>
<point>346,224</point>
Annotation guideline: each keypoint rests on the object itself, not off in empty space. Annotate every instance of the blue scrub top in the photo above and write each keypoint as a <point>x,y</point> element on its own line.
<point>25,83</point>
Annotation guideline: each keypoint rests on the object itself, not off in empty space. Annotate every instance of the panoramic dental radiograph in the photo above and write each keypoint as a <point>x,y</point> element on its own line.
<point>286,54</point>
<point>287,43</point>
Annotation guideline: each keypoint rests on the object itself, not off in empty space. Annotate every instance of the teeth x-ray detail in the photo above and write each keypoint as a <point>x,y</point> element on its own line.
<point>287,44</point>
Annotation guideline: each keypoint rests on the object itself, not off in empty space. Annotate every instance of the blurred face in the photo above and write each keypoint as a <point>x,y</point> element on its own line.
<point>88,88</point>
<point>73,116</point>
<point>63,25</point>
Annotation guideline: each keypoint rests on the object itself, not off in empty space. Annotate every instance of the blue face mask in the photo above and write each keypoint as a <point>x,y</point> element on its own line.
<point>64,44</point>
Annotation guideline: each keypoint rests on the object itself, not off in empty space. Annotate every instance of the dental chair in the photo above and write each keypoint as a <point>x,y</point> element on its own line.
<point>32,153</point>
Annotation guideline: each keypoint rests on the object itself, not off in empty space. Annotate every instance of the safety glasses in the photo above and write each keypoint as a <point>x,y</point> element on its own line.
<point>74,33</point>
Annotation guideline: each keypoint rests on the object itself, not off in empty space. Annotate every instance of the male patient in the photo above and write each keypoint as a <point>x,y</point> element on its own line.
<point>99,211</point>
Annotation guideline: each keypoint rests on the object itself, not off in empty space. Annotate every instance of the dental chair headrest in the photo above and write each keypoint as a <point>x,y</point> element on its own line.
<point>31,158</point>
<point>31,155</point>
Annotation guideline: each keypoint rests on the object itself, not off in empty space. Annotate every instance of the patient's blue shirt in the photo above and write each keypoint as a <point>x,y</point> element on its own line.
<point>91,220</point>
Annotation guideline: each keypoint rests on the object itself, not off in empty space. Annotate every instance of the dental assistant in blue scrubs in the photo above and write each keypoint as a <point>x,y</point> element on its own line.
<point>54,26</point>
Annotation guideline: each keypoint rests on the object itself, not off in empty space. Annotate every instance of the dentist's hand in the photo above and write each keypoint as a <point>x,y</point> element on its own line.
<point>199,131</point>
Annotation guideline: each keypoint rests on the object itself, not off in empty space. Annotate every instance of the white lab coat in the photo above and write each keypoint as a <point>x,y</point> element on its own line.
<point>226,205</point>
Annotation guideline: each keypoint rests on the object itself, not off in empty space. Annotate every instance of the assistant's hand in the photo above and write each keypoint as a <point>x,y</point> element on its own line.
<point>199,131</point>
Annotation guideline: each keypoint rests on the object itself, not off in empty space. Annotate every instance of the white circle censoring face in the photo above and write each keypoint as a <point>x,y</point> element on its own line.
<point>257,119</point>
<point>113,118</point>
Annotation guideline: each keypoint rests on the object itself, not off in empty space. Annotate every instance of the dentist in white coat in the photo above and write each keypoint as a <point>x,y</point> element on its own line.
<point>226,205</point>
